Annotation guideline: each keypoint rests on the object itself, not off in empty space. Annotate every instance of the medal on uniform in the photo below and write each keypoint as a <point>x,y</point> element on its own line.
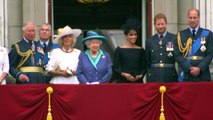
<point>160,42</point>
<point>203,42</point>
<point>40,62</point>
<point>203,48</point>
<point>48,54</point>
<point>40,50</point>
<point>169,49</point>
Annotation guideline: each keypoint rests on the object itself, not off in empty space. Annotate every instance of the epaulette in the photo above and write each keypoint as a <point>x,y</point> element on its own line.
<point>24,55</point>
<point>16,42</point>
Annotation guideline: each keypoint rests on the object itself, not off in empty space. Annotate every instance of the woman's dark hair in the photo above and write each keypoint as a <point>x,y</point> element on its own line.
<point>131,24</point>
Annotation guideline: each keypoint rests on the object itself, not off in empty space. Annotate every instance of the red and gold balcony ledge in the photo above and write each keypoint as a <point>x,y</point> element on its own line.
<point>175,101</point>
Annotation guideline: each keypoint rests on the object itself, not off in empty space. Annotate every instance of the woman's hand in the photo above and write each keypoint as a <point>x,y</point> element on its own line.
<point>137,77</point>
<point>128,76</point>
<point>64,73</point>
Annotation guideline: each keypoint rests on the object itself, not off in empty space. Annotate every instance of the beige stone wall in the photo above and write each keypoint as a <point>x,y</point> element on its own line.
<point>176,12</point>
<point>183,7</point>
<point>21,11</point>
<point>14,21</point>
<point>169,8</point>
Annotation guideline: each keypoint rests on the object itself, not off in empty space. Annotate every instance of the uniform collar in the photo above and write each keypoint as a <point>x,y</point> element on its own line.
<point>41,42</point>
<point>164,34</point>
<point>196,29</point>
<point>28,40</point>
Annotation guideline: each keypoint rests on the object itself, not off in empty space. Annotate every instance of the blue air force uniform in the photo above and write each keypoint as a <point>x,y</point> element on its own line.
<point>160,58</point>
<point>28,60</point>
<point>47,48</point>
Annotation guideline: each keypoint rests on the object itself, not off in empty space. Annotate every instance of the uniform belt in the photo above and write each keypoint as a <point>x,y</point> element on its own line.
<point>162,65</point>
<point>194,58</point>
<point>31,69</point>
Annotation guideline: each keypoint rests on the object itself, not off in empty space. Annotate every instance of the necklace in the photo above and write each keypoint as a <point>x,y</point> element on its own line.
<point>67,51</point>
<point>94,55</point>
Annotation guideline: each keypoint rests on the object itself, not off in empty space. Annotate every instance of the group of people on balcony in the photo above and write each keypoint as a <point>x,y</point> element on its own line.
<point>43,61</point>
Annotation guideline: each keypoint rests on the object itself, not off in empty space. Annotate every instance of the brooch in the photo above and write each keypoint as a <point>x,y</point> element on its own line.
<point>103,56</point>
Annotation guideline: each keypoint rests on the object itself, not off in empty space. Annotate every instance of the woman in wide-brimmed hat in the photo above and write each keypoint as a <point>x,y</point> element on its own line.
<point>64,60</point>
<point>94,65</point>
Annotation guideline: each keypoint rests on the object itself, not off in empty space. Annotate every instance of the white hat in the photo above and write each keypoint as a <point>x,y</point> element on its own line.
<point>67,31</point>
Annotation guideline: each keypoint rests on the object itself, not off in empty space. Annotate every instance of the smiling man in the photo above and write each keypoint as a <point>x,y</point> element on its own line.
<point>194,49</point>
<point>159,53</point>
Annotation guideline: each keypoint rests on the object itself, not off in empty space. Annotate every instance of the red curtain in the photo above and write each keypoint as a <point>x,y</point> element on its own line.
<point>182,101</point>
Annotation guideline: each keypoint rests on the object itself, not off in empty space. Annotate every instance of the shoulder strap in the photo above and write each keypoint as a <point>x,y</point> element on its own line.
<point>24,55</point>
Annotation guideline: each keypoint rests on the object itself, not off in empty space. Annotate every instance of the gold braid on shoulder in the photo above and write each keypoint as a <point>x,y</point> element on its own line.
<point>24,55</point>
<point>184,50</point>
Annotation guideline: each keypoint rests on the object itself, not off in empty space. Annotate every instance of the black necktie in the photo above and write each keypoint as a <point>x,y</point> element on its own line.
<point>30,44</point>
<point>44,46</point>
<point>161,39</point>
<point>193,33</point>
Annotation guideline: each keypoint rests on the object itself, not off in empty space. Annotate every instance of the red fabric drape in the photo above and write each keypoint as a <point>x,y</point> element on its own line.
<point>182,101</point>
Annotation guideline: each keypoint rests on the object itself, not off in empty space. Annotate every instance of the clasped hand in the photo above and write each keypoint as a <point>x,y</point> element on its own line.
<point>130,77</point>
<point>67,72</point>
<point>194,71</point>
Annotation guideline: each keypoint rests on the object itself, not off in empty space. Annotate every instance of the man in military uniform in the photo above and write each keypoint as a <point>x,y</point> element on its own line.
<point>26,58</point>
<point>194,50</point>
<point>159,53</point>
<point>47,45</point>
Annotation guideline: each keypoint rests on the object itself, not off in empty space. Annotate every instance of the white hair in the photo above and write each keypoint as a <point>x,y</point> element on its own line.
<point>26,24</point>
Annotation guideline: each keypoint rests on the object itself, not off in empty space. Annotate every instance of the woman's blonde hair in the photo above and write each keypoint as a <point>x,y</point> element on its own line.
<point>60,42</point>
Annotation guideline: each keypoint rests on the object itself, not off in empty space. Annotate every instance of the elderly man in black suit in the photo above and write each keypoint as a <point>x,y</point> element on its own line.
<point>159,53</point>
<point>194,50</point>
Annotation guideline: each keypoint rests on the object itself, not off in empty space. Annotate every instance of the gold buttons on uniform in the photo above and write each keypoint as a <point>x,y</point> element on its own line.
<point>161,65</point>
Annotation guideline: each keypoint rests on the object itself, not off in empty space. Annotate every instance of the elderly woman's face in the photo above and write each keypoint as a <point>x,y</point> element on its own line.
<point>67,40</point>
<point>94,45</point>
